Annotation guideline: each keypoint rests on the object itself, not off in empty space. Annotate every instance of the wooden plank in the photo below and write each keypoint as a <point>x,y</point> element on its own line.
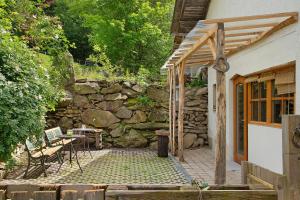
<point>94,195</point>
<point>2,195</point>
<point>244,172</point>
<point>19,195</point>
<point>220,169</point>
<point>242,34</point>
<point>248,18</point>
<point>181,70</point>
<point>213,46</point>
<point>193,195</point>
<point>170,72</point>
<point>69,195</point>
<point>260,181</point>
<point>44,195</point>
<point>250,26</point>
<point>174,109</point>
<point>266,34</point>
<point>197,44</point>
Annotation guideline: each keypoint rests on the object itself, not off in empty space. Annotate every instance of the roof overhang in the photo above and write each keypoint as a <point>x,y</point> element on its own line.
<point>199,45</point>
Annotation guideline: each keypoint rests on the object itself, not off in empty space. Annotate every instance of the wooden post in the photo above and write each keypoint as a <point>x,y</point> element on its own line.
<point>181,111</point>
<point>174,110</point>
<point>291,156</point>
<point>170,78</point>
<point>44,195</point>
<point>220,170</point>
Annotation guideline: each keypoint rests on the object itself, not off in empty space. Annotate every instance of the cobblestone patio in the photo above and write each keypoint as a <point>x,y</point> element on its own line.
<point>200,164</point>
<point>115,166</point>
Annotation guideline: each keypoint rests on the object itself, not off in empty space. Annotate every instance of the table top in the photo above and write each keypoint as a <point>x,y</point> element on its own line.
<point>87,129</point>
<point>71,136</point>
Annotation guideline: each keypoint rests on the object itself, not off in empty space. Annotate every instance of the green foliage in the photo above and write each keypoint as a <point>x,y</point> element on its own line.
<point>132,33</point>
<point>197,82</point>
<point>10,164</point>
<point>144,100</point>
<point>27,86</point>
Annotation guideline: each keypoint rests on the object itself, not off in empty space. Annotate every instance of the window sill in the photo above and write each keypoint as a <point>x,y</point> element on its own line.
<point>273,125</point>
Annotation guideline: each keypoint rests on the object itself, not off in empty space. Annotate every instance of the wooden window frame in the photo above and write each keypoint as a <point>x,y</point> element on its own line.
<point>269,98</point>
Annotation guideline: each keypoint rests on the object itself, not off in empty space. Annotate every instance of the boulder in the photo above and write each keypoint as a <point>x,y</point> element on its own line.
<point>116,96</point>
<point>198,143</point>
<point>119,131</point>
<point>115,88</point>
<point>133,139</point>
<point>150,126</point>
<point>81,101</point>
<point>138,117</point>
<point>158,94</point>
<point>189,140</point>
<point>66,123</point>
<point>129,92</point>
<point>124,113</point>
<point>153,145</point>
<point>65,102</point>
<point>110,105</point>
<point>96,97</point>
<point>127,84</point>
<point>98,118</point>
<point>201,91</point>
<point>138,88</point>
<point>86,88</point>
<point>158,115</point>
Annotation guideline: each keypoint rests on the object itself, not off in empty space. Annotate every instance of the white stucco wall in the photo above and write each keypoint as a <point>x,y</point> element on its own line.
<point>280,48</point>
<point>265,147</point>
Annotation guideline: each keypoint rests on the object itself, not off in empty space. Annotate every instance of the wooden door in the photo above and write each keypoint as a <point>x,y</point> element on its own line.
<point>240,120</point>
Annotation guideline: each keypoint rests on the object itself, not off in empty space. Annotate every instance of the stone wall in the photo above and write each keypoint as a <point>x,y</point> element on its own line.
<point>128,113</point>
<point>195,117</point>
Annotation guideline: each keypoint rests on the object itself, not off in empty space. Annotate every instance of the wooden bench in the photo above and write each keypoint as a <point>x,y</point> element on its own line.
<point>39,154</point>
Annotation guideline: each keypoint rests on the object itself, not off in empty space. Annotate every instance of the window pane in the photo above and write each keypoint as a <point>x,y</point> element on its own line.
<point>288,107</point>
<point>274,91</point>
<point>263,89</point>
<point>263,111</point>
<point>254,109</point>
<point>276,111</point>
<point>254,90</point>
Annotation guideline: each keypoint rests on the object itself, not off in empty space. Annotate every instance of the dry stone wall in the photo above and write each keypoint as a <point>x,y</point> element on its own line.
<point>128,113</point>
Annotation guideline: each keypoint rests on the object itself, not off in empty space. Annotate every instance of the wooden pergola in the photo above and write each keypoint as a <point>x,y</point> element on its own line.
<point>209,43</point>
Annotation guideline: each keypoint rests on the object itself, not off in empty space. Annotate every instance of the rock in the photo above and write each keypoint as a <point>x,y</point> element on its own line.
<point>158,115</point>
<point>115,88</point>
<point>133,139</point>
<point>153,145</point>
<point>138,88</point>
<point>189,140</point>
<point>158,94</point>
<point>114,126</point>
<point>96,97</point>
<point>150,126</point>
<point>129,92</point>
<point>124,113</point>
<point>65,123</point>
<point>138,117</point>
<point>98,118</point>
<point>86,88</point>
<point>201,91</point>
<point>65,102</point>
<point>198,142</point>
<point>110,105</point>
<point>117,132</point>
<point>81,101</point>
<point>127,84</point>
<point>116,96</point>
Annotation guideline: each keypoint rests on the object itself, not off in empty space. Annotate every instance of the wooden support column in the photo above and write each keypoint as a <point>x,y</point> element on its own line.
<point>181,111</point>
<point>291,157</point>
<point>170,78</point>
<point>174,110</point>
<point>220,170</point>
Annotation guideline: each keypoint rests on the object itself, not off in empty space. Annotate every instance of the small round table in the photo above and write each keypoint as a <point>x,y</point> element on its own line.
<point>97,134</point>
<point>73,138</point>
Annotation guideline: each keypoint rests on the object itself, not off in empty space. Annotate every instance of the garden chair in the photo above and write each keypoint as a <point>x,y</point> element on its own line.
<point>40,154</point>
<point>53,137</point>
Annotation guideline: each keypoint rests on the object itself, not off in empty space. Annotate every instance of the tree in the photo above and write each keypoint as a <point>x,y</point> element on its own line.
<point>132,33</point>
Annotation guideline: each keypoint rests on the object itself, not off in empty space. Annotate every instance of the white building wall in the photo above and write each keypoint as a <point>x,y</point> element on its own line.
<point>280,48</point>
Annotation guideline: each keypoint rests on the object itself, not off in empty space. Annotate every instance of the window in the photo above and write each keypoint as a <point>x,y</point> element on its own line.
<point>271,95</point>
<point>214,97</point>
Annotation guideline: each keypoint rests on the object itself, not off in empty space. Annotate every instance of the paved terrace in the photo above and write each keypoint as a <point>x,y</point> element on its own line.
<point>200,164</point>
